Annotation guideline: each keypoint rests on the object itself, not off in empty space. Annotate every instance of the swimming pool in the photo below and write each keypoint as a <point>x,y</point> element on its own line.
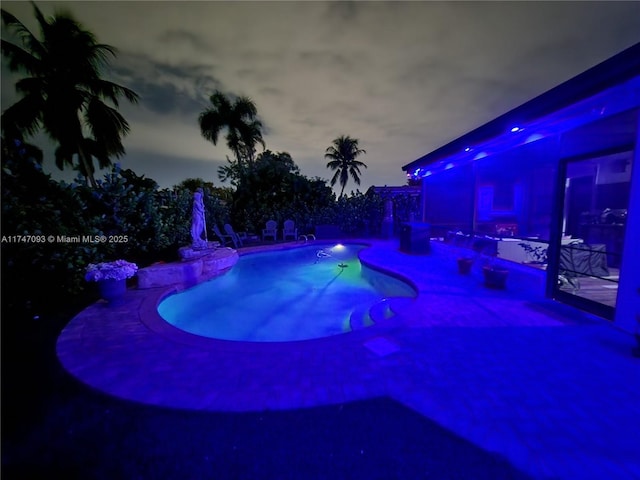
<point>298,294</point>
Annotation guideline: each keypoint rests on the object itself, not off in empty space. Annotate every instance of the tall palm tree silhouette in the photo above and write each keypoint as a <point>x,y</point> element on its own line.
<point>64,93</point>
<point>239,118</point>
<point>342,155</point>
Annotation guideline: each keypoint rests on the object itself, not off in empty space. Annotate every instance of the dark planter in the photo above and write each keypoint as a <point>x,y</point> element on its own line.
<point>464,265</point>
<point>495,277</point>
<point>112,290</point>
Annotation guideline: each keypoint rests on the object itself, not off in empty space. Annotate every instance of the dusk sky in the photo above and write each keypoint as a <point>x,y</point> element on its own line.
<point>403,78</point>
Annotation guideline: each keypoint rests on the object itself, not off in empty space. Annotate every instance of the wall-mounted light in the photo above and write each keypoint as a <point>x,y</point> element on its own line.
<point>448,166</point>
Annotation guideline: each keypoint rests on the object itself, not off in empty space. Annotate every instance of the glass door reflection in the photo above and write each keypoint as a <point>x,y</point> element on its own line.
<point>596,197</point>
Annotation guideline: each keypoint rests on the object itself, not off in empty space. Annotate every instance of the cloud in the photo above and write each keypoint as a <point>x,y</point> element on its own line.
<point>166,88</point>
<point>345,11</point>
<point>402,77</point>
<point>185,39</point>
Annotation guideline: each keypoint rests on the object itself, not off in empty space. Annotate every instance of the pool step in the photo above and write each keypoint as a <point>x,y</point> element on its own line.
<point>380,311</point>
<point>360,318</point>
<point>400,305</point>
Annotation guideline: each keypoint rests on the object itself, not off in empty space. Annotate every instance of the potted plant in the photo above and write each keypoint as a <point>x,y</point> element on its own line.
<point>495,276</point>
<point>464,265</point>
<point>111,277</point>
<point>537,253</point>
<point>465,261</point>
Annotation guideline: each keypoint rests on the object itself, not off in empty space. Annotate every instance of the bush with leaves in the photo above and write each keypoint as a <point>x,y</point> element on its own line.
<point>272,188</point>
<point>40,272</point>
<point>154,222</point>
<point>406,209</point>
<point>126,206</point>
<point>360,214</point>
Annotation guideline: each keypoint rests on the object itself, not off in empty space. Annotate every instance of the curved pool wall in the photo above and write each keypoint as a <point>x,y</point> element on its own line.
<point>295,294</point>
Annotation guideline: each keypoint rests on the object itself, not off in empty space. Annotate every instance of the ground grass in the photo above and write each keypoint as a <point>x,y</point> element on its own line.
<point>55,427</point>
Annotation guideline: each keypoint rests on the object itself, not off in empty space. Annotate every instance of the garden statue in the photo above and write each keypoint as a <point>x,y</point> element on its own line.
<point>198,224</point>
<point>200,246</point>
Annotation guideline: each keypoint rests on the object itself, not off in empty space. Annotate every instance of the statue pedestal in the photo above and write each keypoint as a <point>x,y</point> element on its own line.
<point>187,273</point>
<point>193,252</point>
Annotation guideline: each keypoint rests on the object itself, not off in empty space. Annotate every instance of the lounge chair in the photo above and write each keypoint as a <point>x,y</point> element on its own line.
<point>224,239</point>
<point>289,230</point>
<point>237,241</point>
<point>271,230</point>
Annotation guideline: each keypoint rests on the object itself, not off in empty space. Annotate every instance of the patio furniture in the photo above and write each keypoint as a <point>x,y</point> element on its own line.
<point>270,230</point>
<point>224,239</point>
<point>583,260</point>
<point>237,241</point>
<point>289,230</point>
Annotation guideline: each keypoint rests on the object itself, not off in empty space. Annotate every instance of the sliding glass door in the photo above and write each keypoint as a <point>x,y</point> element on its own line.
<point>594,200</point>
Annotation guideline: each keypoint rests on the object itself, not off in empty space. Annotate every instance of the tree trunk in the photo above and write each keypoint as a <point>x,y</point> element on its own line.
<point>84,163</point>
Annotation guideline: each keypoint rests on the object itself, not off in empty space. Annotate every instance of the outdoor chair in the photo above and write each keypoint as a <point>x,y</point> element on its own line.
<point>289,230</point>
<point>224,239</point>
<point>237,241</point>
<point>270,230</point>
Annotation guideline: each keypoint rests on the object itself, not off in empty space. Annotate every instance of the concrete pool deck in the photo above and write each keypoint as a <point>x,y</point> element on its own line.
<point>554,390</point>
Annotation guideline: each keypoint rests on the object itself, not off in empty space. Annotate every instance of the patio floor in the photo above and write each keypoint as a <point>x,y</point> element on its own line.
<point>552,389</point>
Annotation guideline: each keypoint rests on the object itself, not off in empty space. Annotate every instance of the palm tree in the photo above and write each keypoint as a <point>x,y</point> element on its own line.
<point>343,154</point>
<point>88,148</point>
<point>239,118</point>
<point>63,91</point>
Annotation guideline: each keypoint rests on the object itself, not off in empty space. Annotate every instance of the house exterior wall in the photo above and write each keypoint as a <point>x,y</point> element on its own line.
<point>516,187</point>
<point>519,191</point>
<point>448,200</point>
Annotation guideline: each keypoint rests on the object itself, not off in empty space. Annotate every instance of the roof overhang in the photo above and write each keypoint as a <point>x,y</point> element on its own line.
<point>608,88</point>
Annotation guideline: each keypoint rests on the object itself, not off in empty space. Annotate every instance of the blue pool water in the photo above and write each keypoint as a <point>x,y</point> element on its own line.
<point>297,294</point>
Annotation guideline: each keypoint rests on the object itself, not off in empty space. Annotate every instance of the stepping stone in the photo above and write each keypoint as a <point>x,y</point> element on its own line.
<point>381,346</point>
